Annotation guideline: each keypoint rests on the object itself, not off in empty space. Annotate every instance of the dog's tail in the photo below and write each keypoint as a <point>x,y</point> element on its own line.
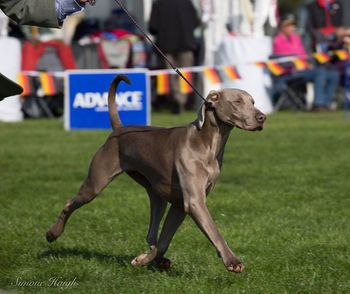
<point>112,107</point>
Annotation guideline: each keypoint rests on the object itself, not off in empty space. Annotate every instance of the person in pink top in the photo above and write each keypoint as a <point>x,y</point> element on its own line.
<point>288,43</point>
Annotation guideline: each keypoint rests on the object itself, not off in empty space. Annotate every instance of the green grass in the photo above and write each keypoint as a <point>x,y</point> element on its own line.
<point>282,202</point>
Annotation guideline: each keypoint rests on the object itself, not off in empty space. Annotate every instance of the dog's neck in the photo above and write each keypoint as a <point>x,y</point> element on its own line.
<point>215,132</point>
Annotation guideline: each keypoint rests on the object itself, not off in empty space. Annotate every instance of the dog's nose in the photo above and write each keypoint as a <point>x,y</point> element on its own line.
<point>260,117</point>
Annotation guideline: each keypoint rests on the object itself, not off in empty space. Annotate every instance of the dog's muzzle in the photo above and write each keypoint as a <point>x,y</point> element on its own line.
<point>260,118</point>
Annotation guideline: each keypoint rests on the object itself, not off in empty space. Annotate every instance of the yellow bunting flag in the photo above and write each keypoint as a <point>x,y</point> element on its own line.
<point>163,84</point>
<point>342,54</point>
<point>47,84</point>
<point>212,75</point>
<point>300,64</point>
<point>23,80</point>
<point>231,72</point>
<point>275,68</point>
<point>321,57</point>
<point>184,87</point>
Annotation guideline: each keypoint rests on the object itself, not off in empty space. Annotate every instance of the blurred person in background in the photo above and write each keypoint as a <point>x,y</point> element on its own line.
<point>288,43</point>
<point>327,22</point>
<point>173,24</point>
<point>324,17</point>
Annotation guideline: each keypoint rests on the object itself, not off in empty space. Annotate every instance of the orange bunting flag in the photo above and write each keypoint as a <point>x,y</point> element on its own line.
<point>232,72</point>
<point>24,81</point>
<point>260,64</point>
<point>47,84</point>
<point>212,75</point>
<point>321,57</point>
<point>163,84</point>
<point>342,54</point>
<point>300,64</point>
<point>275,68</point>
<point>184,87</point>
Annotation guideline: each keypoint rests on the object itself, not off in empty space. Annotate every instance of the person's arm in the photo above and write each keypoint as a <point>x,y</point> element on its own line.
<point>299,47</point>
<point>31,12</point>
<point>46,13</point>
<point>278,45</point>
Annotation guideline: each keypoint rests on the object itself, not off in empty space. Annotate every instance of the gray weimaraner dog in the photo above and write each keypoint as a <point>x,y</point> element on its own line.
<point>177,165</point>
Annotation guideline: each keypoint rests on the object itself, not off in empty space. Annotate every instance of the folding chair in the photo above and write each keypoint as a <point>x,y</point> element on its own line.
<point>291,94</point>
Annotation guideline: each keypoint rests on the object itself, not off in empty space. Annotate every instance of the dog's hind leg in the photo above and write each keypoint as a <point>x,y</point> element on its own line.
<point>158,206</point>
<point>104,167</point>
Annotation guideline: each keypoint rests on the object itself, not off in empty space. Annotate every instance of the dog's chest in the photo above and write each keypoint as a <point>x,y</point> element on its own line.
<point>213,170</point>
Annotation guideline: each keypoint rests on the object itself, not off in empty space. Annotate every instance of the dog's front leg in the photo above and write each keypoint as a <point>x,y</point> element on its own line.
<point>193,183</point>
<point>173,220</point>
<point>158,206</point>
<point>200,214</point>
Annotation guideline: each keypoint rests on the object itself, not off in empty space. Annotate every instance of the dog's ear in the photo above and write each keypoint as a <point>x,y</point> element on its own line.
<point>201,116</point>
<point>212,99</point>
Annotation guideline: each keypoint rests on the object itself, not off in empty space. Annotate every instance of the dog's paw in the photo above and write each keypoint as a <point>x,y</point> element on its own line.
<point>145,258</point>
<point>234,265</point>
<point>50,236</point>
<point>238,268</point>
<point>54,232</point>
<point>163,263</point>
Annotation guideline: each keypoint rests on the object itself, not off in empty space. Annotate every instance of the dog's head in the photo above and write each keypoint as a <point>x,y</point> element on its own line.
<point>233,107</point>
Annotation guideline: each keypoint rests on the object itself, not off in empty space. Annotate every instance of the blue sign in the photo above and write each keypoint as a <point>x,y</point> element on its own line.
<point>86,99</point>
